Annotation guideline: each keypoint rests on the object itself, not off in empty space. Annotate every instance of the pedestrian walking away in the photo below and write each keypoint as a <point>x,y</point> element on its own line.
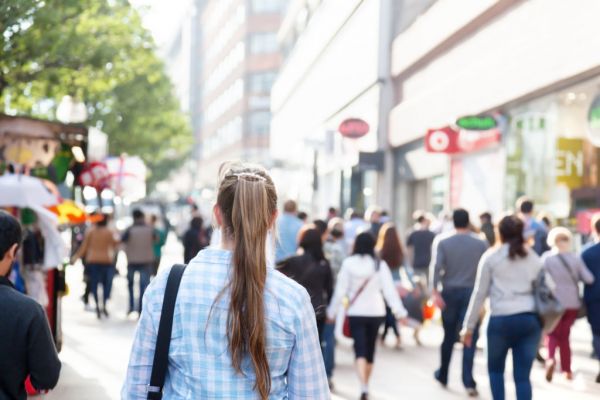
<point>487,228</point>
<point>419,243</point>
<point>241,330</point>
<point>368,282</point>
<point>98,250</point>
<point>591,293</point>
<point>139,240</point>
<point>454,268</point>
<point>534,231</point>
<point>194,239</point>
<point>566,270</point>
<point>26,346</point>
<point>160,238</point>
<point>288,226</point>
<point>506,276</point>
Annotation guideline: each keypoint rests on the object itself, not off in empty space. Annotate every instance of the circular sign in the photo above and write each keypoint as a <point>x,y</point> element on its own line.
<point>594,122</point>
<point>354,128</point>
<point>439,141</point>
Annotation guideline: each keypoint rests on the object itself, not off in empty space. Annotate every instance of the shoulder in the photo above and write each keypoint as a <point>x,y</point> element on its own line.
<point>288,292</point>
<point>24,307</point>
<point>591,252</point>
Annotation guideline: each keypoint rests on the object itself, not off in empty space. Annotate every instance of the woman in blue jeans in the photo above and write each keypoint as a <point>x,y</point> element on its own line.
<point>505,275</point>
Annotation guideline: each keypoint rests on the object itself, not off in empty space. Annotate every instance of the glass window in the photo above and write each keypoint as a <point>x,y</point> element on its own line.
<point>261,82</point>
<point>267,6</point>
<point>259,122</point>
<point>263,42</point>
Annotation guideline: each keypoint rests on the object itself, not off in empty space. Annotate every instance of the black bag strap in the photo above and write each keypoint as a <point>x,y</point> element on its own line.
<point>163,338</point>
<point>569,269</point>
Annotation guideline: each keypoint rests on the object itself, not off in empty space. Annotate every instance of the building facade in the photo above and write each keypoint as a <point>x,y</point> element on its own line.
<point>240,60</point>
<point>531,66</point>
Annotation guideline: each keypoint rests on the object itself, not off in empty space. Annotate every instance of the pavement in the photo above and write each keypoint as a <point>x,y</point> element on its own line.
<point>95,356</point>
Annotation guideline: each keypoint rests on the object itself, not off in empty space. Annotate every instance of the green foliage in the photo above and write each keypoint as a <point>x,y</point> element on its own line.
<point>98,51</point>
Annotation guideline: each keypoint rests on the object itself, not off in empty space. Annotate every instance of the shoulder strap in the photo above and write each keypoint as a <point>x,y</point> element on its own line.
<point>163,339</point>
<point>568,268</point>
<point>364,285</point>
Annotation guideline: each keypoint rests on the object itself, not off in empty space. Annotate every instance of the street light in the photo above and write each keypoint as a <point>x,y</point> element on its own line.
<point>71,110</point>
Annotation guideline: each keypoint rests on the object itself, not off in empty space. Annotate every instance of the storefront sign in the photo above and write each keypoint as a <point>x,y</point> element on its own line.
<point>443,140</point>
<point>477,123</point>
<point>450,141</point>
<point>354,128</point>
<point>569,162</point>
<point>371,161</point>
<point>594,121</point>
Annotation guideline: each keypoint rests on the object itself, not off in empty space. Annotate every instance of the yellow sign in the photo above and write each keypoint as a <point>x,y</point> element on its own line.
<point>568,163</point>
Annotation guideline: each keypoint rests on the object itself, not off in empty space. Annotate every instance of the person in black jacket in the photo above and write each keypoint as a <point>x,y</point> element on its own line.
<point>26,346</point>
<point>195,239</point>
<point>311,270</point>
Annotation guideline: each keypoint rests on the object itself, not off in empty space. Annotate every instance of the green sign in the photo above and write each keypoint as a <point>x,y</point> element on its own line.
<point>477,123</point>
<point>594,121</point>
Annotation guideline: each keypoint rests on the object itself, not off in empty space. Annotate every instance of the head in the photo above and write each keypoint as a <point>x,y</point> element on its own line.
<point>138,215</point>
<point>560,238</point>
<point>103,221</point>
<point>545,218</point>
<point>364,245</point>
<point>302,216</point>
<point>460,217</point>
<point>332,212</point>
<point>336,228</point>
<point>525,205</point>
<point>10,240</point>
<point>310,241</point>
<point>321,226</point>
<point>153,219</point>
<point>485,218</point>
<point>196,223</point>
<point>373,214</point>
<point>246,210</point>
<point>389,247</point>
<point>510,229</point>
<point>596,224</point>
<point>195,208</point>
<point>290,207</point>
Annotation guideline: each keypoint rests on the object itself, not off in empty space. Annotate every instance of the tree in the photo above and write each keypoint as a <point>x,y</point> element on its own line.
<point>98,51</point>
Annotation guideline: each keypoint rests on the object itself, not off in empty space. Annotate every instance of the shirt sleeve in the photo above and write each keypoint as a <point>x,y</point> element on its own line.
<point>584,273</point>
<point>480,293</point>
<point>306,372</point>
<point>142,352</point>
<point>42,359</point>
<point>389,291</point>
<point>341,288</point>
<point>409,241</point>
<point>80,253</point>
<point>438,263</point>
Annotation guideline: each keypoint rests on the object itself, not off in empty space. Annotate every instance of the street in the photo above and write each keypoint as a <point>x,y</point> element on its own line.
<point>95,355</point>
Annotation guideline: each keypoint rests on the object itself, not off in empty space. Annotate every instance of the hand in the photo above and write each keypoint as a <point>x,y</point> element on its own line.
<point>402,321</point>
<point>73,260</point>
<point>330,321</point>
<point>437,299</point>
<point>467,338</point>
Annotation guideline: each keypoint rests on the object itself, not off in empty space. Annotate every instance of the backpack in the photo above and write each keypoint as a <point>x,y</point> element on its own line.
<point>546,304</point>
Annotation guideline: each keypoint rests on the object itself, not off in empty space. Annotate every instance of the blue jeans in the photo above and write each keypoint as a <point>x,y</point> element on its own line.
<point>457,302</point>
<point>100,274</point>
<point>329,348</point>
<point>520,333</point>
<point>144,270</point>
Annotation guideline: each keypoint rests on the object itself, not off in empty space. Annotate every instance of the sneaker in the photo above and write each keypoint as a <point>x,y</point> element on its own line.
<point>105,312</point>
<point>364,396</point>
<point>472,392</point>
<point>436,375</point>
<point>550,370</point>
<point>539,357</point>
<point>598,378</point>
<point>98,314</point>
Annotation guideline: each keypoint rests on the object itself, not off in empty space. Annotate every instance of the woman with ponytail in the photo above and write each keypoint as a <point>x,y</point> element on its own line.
<point>506,274</point>
<point>241,330</point>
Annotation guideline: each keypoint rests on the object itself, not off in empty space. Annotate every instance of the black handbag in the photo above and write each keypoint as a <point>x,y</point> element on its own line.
<point>163,338</point>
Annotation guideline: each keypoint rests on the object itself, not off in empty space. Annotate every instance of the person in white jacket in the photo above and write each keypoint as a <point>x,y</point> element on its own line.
<point>367,282</point>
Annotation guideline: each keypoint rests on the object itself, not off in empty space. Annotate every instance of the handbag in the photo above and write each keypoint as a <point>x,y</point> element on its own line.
<point>346,327</point>
<point>582,312</point>
<point>547,305</point>
<point>163,337</point>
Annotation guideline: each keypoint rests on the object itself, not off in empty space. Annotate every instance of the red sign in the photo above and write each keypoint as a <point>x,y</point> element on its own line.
<point>354,128</point>
<point>451,141</point>
<point>95,175</point>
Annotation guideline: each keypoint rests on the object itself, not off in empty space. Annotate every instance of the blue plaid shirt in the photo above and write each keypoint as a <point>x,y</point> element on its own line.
<point>199,361</point>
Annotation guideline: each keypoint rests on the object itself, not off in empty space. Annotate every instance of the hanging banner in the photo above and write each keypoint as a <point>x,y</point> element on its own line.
<point>443,140</point>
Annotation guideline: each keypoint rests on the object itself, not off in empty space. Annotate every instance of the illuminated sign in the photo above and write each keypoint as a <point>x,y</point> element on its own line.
<point>477,123</point>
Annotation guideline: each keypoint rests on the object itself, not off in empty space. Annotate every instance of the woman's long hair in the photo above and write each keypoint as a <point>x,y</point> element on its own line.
<point>388,246</point>
<point>312,244</point>
<point>511,233</point>
<point>248,203</point>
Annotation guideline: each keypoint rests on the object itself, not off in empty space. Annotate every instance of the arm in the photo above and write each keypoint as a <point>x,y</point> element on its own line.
<point>410,250</point>
<point>389,291</point>
<point>82,249</point>
<point>481,292</point>
<point>583,272</point>
<point>341,288</point>
<point>328,281</point>
<point>42,359</point>
<point>306,372</point>
<point>125,237</point>
<point>438,263</point>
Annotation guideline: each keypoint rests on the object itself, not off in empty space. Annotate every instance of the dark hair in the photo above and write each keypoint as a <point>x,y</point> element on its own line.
<point>103,221</point>
<point>421,218</point>
<point>596,222</point>
<point>511,233</point>
<point>197,223</point>
<point>247,201</point>
<point>137,214</point>
<point>302,215</point>
<point>10,232</point>
<point>310,241</point>
<point>364,244</point>
<point>525,205</point>
<point>332,210</point>
<point>486,215</point>
<point>389,247</point>
<point>321,226</point>
<point>460,216</point>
